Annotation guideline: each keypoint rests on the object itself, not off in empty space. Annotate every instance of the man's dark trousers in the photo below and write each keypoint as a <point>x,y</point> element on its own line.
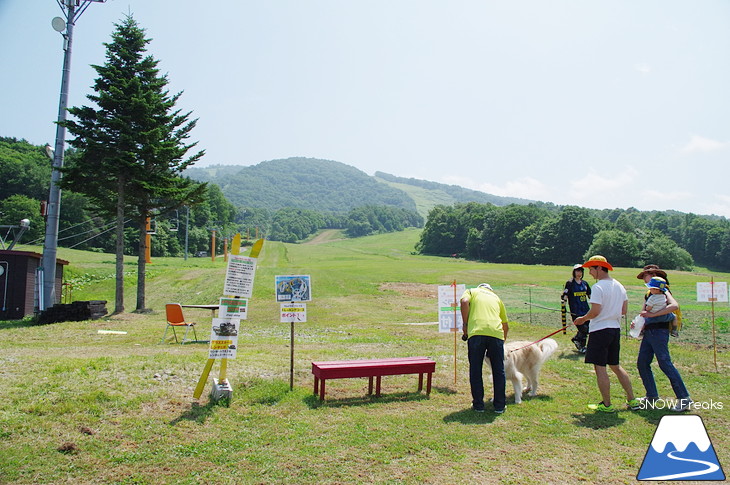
<point>493,348</point>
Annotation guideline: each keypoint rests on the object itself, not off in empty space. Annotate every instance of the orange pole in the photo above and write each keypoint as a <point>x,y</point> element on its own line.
<point>225,249</point>
<point>212,246</point>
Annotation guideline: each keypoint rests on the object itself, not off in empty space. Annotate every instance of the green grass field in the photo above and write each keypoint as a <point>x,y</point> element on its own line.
<point>77,406</point>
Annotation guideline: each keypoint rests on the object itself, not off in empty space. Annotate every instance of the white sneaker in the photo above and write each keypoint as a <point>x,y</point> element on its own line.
<point>682,405</point>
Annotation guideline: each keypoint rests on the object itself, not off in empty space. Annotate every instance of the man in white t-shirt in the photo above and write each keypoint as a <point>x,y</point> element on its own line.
<point>608,304</point>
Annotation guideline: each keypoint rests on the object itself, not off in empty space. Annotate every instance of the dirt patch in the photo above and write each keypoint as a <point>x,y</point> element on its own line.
<point>416,290</point>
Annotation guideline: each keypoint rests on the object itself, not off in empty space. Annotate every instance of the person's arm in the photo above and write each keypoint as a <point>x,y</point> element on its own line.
<point>625,307</point>
<point>465,316</point>
<point>672,306</point>
<point>592,313</point>
<point>505,328</point>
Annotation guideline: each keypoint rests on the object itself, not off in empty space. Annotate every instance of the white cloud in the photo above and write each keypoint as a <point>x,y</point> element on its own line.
<point>643,68</point>
<point>716,204</point>
<point>525,188</point>
<point>601,184</point>
<point>702,144</point>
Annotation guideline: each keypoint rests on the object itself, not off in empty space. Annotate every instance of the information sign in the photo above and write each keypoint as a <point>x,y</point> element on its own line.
<point>239,276</point>
<point>450,307</point>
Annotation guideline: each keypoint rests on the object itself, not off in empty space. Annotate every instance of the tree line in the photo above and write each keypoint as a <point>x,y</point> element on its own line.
<point>565,235</point>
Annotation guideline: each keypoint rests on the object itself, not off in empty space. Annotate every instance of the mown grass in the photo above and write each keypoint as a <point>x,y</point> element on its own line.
<point>81,407</point>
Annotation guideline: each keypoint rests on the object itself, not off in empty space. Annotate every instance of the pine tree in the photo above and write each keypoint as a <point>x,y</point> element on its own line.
<point>132,146</point>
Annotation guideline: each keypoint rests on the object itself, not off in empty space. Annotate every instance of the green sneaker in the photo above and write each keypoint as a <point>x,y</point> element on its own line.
<point>602,408</point>
<point>634,404</point>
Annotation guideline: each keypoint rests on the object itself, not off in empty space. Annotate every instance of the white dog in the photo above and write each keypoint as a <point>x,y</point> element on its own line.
<point>521,358</point>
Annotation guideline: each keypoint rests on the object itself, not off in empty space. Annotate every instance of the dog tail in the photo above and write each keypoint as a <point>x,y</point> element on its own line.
<point>548,347</point>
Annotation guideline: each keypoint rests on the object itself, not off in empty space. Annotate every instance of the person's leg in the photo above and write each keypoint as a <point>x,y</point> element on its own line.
<point>665,363</point>
<point>495,352</point>
<point>625,380</point>
<point>477,347</point>
<point>643,364</point>
<point>614,353</point>
<point>604,385</point>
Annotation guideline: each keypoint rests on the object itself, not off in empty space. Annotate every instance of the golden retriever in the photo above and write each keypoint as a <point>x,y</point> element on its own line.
<point>522,359</point>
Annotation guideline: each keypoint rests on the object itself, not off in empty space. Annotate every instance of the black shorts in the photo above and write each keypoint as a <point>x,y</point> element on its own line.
<point>604,347</point>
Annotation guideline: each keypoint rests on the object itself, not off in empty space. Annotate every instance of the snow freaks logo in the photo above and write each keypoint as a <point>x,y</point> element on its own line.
<point>681,450</point>
<point>690,405</point>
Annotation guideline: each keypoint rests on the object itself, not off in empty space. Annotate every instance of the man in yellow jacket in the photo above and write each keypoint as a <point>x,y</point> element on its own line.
<point>486,328</point>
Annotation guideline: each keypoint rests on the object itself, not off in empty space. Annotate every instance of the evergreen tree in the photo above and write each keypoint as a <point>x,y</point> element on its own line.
<point>132,145</point>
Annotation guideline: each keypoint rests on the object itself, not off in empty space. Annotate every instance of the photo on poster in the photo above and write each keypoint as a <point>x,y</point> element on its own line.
<point>224,338</point>
<point>293,288</point>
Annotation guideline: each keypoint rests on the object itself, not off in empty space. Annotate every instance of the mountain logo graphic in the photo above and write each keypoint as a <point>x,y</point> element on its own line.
<point>680,450</point>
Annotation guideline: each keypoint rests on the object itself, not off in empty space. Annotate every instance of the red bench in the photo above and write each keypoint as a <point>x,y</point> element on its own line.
<point>372,368</point>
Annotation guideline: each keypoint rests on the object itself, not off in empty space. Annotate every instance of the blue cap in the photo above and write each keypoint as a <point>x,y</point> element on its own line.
<point>657,282</point>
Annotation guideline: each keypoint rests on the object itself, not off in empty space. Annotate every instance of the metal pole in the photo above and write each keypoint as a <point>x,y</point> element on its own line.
<point>187,225</point>
<point>50,245</point>
<point>291,357</point>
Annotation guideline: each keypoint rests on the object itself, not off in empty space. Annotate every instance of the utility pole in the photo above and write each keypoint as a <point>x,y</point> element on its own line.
<point>72,10</point>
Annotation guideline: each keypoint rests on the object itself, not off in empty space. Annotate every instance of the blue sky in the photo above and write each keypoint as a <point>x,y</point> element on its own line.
<point>600,104</point>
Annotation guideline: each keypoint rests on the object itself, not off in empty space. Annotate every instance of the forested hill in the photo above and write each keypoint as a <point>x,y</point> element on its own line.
<point>329,186</point>
<point>448,194</point>
<point>302,183</point>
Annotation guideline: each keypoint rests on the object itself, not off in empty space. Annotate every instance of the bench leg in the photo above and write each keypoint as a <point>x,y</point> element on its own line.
<point>420,382</point>
<point>370,385</point>
<point>377,386</point>
<point>428,384</point>
<point>316,385</point>
<point>321,390</point>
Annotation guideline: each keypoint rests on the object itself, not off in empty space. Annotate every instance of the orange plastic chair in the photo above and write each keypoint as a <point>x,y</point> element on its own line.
<point>175,318</point>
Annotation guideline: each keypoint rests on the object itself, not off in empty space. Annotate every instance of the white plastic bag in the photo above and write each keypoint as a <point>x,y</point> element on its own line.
<point>637,324</point>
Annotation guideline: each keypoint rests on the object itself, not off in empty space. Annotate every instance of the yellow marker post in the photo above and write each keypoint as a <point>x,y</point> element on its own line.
<point>236,244</point>
<point>203,379</point>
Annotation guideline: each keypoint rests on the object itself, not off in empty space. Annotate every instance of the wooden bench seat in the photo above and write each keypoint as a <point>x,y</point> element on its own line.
<point>372,368</point>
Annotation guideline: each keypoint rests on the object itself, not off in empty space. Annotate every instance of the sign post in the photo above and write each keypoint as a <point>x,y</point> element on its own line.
<point>712,292</point>
<point>450,312</point>
<point>291,293</point>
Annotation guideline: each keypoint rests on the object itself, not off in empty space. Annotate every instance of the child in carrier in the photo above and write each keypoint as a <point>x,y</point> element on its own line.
<point>657,300</point>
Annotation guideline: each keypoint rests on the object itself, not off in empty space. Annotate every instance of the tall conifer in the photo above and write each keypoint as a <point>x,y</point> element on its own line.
<point>132,146</point>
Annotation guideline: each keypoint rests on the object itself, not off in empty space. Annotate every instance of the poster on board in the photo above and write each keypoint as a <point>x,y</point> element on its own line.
<point>229,308</point>
<point>239,276</point>
<point>293,312</point>
<point>224,338</point>
<point>293,288</point>
<point>450,308</point>
<point>715,291</point>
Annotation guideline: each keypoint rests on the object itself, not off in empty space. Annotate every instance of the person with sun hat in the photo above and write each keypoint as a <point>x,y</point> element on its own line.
<point>608,304</point>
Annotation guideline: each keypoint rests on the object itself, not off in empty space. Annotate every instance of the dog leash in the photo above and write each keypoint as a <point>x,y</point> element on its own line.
<point>537,341</point>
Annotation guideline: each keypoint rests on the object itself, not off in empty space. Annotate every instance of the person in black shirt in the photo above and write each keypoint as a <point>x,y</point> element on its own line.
<point>577,292</point>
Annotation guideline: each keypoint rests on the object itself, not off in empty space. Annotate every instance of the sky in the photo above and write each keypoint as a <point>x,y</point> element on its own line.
<point>600,104</point>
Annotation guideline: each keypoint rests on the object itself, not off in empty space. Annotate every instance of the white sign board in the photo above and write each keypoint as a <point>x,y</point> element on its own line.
<point>224,338</point>
<point>233,308</point>
<point>293,288</point>
<point>293,312</point>
<point>708,291</point>
<point>450,307</point>
<point>239,276</point>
